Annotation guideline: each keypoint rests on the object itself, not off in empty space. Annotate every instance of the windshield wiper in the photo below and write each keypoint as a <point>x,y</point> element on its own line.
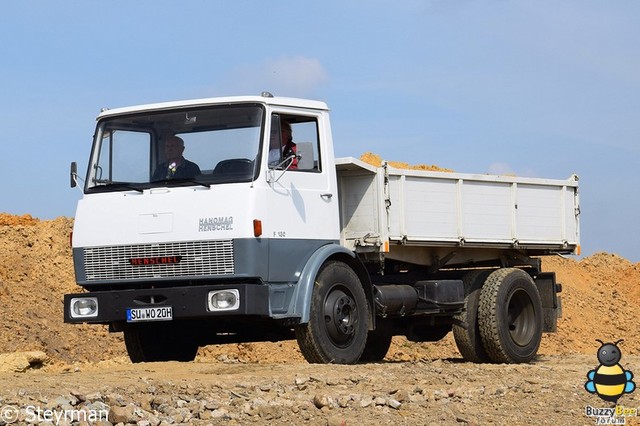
<point>117,186</point>
<point>183,180</point>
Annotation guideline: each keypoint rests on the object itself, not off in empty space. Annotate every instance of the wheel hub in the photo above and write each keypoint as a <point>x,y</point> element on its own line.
<point>340,317</point>
<point>520,317</point>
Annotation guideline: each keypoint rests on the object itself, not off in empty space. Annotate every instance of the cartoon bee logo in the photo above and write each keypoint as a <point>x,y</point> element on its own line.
<point>609,380</point>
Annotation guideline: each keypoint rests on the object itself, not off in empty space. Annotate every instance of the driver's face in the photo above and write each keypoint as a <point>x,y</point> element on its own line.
<point>285,135</point>
<point>173,149</point>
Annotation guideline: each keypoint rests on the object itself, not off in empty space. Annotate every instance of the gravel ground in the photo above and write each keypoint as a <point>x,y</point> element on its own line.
<point>444,392</point>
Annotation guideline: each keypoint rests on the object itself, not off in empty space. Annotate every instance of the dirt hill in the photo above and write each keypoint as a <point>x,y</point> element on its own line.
<point>601,300</point>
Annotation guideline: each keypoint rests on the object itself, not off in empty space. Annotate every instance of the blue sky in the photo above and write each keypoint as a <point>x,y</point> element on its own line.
<point>537,88</point>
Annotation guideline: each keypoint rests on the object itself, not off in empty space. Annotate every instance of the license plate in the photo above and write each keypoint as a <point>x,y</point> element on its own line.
<point>158,313</point>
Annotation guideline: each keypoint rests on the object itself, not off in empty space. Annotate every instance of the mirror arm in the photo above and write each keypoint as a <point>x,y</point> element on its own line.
<point>272,170</point>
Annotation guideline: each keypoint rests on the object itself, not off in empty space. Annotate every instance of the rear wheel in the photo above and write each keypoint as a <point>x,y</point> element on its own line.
<point>159,342</point>
<point>338,321</point>
<point>468,338</point>
<point>510,316</point>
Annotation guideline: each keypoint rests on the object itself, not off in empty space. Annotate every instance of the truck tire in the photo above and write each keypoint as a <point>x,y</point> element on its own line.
<point>510,316</point>
<point>155,343</point>
<point>468,339</point>
<point>338,320</point>
<point>377,346</point>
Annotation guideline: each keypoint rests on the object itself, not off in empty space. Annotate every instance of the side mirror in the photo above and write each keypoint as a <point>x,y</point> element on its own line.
<point>73,174</point>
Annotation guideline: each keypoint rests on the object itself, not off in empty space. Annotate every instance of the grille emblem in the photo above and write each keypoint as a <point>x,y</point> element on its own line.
<point>161,260</point>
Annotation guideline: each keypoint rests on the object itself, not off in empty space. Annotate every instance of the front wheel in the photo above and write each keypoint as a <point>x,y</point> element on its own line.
<point>338,321</point>
<point>159,342</point>
<point>510,316</point>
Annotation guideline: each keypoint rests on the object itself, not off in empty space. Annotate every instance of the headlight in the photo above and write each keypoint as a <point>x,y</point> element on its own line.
<point>84,307</point>
<point>223,300</point>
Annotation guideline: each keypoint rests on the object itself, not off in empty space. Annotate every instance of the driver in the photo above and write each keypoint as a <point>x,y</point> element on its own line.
<point>287,147</point>
<point>176,166</point>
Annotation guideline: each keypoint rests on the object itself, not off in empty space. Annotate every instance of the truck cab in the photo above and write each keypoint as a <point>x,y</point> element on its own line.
<point>238,234</point>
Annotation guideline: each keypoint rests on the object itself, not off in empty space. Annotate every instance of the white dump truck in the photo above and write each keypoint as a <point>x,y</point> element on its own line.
<point>230,220</point>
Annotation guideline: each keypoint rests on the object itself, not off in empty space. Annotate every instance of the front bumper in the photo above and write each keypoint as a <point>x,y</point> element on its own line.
<point>186,302</point>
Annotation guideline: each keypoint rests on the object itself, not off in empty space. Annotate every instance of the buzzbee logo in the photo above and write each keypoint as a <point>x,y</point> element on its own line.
<point>609,380</point>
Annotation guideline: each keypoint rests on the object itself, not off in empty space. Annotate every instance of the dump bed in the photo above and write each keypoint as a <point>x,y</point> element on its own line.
<point>384,207</point>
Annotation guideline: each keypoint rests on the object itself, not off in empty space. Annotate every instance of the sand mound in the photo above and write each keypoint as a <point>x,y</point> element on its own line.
<point>376,160</point>
<point>36,270</point>
<point>11,220</point>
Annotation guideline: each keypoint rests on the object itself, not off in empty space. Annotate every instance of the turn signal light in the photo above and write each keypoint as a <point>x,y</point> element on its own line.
<point>257,227</point>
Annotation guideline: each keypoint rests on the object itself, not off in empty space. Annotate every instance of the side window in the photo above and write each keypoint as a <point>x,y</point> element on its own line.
<point>294,135</point>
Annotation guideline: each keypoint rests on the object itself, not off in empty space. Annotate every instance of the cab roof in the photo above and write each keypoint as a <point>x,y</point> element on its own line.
<point>263,99</point>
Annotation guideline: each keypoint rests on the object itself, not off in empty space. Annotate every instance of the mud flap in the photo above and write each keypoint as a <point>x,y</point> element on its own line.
<point>551,301</point>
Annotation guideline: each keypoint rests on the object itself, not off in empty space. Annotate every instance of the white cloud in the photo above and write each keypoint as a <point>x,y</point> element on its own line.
<point>297,74</point>
<point>501,169</point>
<point>284,76</point>
<point>505,169</point>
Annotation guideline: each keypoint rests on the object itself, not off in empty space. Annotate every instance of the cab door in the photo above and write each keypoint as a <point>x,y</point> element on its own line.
<point>302,193</point>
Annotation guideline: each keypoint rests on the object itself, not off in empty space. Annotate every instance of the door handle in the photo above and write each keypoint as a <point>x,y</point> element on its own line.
<point>327,196</point>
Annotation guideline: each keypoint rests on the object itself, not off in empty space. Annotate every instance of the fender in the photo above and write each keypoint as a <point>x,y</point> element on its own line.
<point>301,303</point>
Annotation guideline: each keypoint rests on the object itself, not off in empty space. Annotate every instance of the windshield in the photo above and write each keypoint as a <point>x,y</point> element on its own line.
<point>200,146</point>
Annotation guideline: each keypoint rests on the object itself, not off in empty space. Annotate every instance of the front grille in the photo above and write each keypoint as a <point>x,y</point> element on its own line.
<point>196,258</point>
